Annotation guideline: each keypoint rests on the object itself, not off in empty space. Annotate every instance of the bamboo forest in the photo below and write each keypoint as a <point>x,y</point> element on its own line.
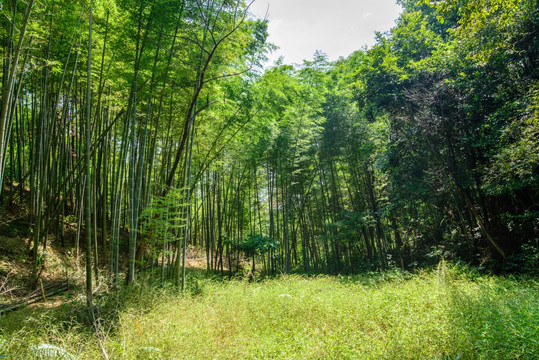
<point>165,193</point>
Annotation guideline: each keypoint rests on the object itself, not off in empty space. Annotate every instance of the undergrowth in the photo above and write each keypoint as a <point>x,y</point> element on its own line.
<point>446,313</point>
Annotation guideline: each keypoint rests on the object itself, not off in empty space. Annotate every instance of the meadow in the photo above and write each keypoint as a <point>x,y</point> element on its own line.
<point>444,313</point>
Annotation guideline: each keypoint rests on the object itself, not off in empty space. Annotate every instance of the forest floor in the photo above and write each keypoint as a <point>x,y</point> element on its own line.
<point>57,265</point>
<point>444,313</point>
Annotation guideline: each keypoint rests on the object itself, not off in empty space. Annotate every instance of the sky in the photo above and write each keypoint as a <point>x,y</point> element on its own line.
<point>335,27</point>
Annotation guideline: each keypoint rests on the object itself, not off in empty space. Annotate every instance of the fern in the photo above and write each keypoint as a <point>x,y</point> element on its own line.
<point>47,351</point>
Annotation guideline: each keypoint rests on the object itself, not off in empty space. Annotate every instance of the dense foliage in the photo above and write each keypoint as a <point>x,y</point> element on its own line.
<point>150,126</point>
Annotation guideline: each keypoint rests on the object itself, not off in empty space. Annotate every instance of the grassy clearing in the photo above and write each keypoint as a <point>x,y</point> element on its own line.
<point>444,314</point>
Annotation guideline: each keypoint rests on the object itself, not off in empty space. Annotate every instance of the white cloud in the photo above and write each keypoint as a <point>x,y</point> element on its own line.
<point>336,27</point>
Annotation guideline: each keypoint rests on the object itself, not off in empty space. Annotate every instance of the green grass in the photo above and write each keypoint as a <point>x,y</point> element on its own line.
<point>449,313</point>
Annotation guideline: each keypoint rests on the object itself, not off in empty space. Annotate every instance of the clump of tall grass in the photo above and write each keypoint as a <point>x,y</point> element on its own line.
<point>446,313</point>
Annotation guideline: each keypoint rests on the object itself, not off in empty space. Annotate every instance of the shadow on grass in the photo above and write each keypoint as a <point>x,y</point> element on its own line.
<point>494,318</point>
<point>65,321</point>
